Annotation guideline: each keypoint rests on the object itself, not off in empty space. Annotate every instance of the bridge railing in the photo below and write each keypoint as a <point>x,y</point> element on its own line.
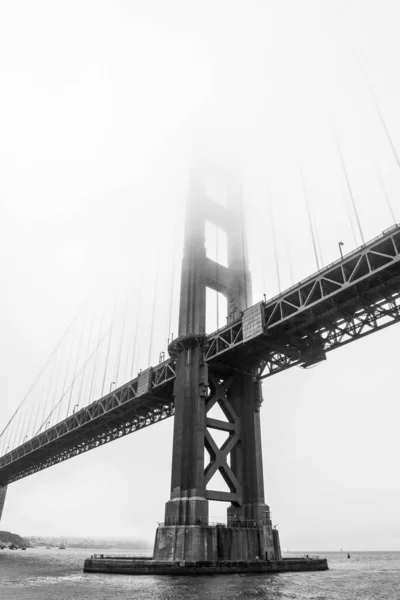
<point>88,428</point>
<point>373,265</point>
<point>338,262</point>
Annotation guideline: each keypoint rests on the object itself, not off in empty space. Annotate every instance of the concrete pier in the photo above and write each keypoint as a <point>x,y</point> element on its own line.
<point>205,543</point>
<point>139,566</point>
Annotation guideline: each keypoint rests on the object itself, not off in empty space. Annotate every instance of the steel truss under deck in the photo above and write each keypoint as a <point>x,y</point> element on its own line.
<point>343,302</point>
<point>115,415</point>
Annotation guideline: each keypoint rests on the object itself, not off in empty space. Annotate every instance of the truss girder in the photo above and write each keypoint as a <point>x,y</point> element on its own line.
<point>111,417</point>
<point>381,254</point>
<point>342,303</point>
<point>334,334</point>
<point>352,283</point>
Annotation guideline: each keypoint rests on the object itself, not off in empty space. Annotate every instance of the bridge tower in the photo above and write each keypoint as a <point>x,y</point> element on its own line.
<point>186,534</point>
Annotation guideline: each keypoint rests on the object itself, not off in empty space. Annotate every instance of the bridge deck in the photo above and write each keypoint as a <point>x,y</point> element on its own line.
<point>343,302</point>
<point>123,411</point>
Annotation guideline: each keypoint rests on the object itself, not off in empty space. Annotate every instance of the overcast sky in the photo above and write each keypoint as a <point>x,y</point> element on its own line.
<point>104,106</point>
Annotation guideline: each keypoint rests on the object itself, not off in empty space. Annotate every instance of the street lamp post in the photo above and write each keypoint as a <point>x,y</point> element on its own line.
<point>340,244</point>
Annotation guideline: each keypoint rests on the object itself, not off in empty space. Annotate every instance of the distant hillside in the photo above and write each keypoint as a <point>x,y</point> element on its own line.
<point>7,538</point>
<point>86,542</point>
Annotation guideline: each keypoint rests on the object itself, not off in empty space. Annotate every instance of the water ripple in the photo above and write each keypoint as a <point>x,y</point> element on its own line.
<point>39,574</point>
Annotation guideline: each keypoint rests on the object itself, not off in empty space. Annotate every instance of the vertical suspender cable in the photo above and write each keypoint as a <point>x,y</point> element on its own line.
<point>135,335</point>
<point>78,351</point>
<point>264,280</point>
<point>309,219</point>
<point>53,404</point>
<point>289,258</point>
<point>380,115</point>
<point>217,271</point>
<point>171,291</point>
<point>317,237</point>
<point>86,360</point>
<point>95,361</point>
<point>272,220</point>
<point>346,176</point>
<point>46,403</point>
<point>65,378</point>
<point>153,312</point>
<point>245,266</point>
<point>289,254</point>
<point>389,137</point>
<point>120,345</point>
<point>81,371</point>
<point>108,349</point>
<point>36,418</point>
<point>24,421</point>
<point>384,190</point>
<point>353,232</point>
<point>42,370</point>
<point>16,429</point>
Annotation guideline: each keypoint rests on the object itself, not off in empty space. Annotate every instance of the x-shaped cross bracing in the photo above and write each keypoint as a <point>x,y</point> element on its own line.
<point>219,455</point>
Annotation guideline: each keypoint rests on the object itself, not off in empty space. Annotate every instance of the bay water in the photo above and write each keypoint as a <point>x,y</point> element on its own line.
<point>53,574</point>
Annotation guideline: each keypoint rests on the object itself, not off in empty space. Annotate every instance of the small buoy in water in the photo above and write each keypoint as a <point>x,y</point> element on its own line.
<point>348,555</point>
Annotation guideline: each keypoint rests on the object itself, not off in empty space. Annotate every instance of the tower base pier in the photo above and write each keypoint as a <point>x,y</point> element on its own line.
<point>200,543</point>
<point>208,550</point>
<point>100,563</point>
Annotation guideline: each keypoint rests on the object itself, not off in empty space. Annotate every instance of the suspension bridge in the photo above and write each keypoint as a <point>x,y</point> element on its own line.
<point>355,296</point>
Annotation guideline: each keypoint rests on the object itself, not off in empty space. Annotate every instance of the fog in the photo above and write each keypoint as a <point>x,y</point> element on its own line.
<point>105,108</point>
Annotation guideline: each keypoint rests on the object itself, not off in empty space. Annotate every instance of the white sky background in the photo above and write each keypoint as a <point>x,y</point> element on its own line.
<point>102,107</point>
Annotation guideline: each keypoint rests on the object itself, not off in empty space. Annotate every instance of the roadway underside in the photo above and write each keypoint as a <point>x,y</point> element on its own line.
<point>304,338</point>
<point>87,430</point>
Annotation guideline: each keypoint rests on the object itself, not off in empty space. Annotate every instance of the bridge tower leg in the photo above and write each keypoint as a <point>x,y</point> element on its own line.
<point>186,534</point>
<point>3,492</point>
